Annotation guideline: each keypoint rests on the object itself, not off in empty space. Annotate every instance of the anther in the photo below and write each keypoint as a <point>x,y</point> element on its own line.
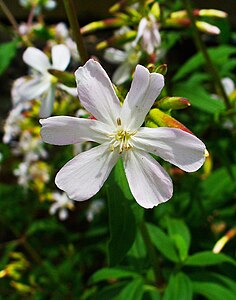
<point>118,121</point>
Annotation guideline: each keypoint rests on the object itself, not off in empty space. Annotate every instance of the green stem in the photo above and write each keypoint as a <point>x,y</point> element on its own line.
<point>152,253</point>
<point>9,15</point>
<point>202,48</point>
<point>74,24</point>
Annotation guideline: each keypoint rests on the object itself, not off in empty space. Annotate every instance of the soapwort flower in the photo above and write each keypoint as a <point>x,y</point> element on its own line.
<point>42,83</point>
<point>118,131</point>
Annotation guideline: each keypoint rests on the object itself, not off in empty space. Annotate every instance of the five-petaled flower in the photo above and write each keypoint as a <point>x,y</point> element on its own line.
<point>41,82</point>
<point>118,131</point>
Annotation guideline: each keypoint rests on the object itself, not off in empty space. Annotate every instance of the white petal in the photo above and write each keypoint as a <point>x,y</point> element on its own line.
<point>70,90</point>
<point>47,103</point>
<point>115,56</point>
<point>33,88</point>
<point>36,59</point>
<point>70,130</point>
<point>141,27</point>
<point>84,175</point>
<point>174,145</point>
<point>122,74</point>
<point>96,93</point>
<point>149,182</point>
<point>60,57</point>
<point>228,85</point>
<point>63,214</point>
<point>144,90</point>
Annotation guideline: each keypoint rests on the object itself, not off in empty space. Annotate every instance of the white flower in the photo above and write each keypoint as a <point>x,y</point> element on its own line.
<point>127,59</point>
<point>149,34</point>
<point>42,83</point>
<point>62,204</point>
<point>95,208</point>
<point>228,85</point>
<point>12,124</point>
<point>117,129</point>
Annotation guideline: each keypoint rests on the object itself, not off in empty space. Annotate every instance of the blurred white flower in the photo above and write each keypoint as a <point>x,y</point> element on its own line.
<point>61,204</point>
<point>38,4</point>
<point>148,33</point>
<point>11,126</point>
<point>31,147</point>
<point>228,85</point>
<point>94,209</point>
<point>127,59</point>
<point>42,83</point>
<point>118,131</point>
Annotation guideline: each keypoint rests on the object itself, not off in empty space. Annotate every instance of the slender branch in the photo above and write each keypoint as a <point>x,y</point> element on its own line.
<point>202,48</point>
<point>152,254</point>
<point>9,15</point>
<point>74,24</point>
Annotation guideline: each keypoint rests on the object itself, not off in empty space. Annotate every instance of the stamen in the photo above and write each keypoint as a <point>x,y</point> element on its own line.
<point>118,121</point>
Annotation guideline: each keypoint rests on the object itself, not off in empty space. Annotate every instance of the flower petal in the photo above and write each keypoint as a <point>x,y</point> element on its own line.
<point>96,93</point>
<point>141,28</point>
<point>144,90</point>
<point>60,57</point>
<point>149,182</point>
<point>47,103</point>
<point>36,59</point>
<point>84,175</point>
<point>122,73</point>
<point>65,130</point>
<point>115,56</point>
<point>70,90</point>
<point>174,145</point>
<point>33,88</point>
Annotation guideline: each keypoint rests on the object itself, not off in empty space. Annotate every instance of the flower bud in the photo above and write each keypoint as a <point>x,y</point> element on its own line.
<point>180,14</point>
<point>66,78</point>
<point>107,23</point>
<point>117,40</point>
<point>163,120</point>
<point>162,69</point>
<point>208,28</point>
<point>167,103</point>
<point>212,13</point>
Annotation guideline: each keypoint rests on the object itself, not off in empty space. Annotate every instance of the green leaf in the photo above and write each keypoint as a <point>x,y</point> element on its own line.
<point>7,53</point>
<point>213,291</point>
<point>110,273</point>
<point>219,55</point>
<point>179,287</point>
<point>122,223</point>
<point>198,97</point>
<point>180,234</point>
<point>151,293</point>
<point>132,291</point>
<point>208,258</point>
<point>163,243</point>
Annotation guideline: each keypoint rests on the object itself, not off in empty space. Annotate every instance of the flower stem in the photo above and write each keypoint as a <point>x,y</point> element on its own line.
<point>74,24</point>
<point>152,254</point>
<point>202,48</point>
<point>9,15</point>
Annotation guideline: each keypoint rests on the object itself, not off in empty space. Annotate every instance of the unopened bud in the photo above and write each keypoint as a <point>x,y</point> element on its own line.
<point>117,40</point>
<point>174,103</point>
<point>155,10</point>
<point>212,13</point>
<point>180,14</point>
<point>107,23</point>
<point>162,69</point>
<point>163,120</point>
<point>207,28</point>
<point>222,241</point>
<point>66,78</point>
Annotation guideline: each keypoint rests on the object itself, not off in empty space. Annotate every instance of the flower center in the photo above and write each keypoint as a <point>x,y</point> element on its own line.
<point>121,138</point>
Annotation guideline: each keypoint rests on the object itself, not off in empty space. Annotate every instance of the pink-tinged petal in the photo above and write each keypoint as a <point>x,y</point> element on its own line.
<point>149,183</point>
<point>63,130</point>
<point>47,103</point>
<point>144,90</point>
<point>96,93</point>
<point>174,145</point>
<point>33,88</point>
<point>36,59</point>
<point>84,175</point>
<point>60,57</point>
